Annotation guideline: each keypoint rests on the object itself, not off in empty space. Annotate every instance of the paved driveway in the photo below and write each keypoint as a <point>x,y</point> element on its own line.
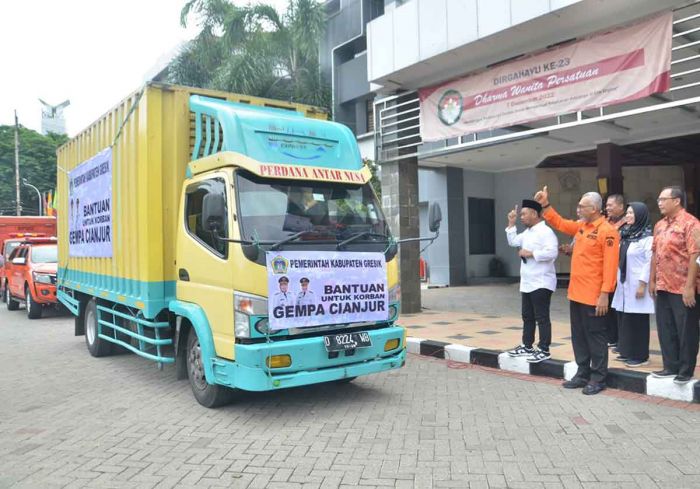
<point>69,420</point>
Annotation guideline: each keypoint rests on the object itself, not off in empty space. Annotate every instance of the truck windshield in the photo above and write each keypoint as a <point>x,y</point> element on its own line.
<point>272,210</point>
<point>45,254</point>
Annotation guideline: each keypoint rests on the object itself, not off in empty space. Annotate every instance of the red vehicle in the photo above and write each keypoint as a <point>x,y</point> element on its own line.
<point>13,229</point>
<point>31,276</point>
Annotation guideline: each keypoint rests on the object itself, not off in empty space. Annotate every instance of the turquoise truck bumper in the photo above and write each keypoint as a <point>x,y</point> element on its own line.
<point>311,362</point>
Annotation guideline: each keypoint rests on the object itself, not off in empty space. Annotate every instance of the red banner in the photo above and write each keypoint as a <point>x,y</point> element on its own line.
<point>618,66</point>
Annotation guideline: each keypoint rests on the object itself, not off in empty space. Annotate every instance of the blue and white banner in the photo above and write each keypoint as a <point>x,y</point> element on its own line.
<point>90,207</point>
<point>325,287</point>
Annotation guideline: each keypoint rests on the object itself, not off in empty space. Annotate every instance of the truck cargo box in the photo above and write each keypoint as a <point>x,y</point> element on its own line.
<point>150,136</point>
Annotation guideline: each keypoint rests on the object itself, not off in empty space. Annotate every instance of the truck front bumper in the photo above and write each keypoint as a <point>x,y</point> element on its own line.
<point>311,363</point>
<point>44,293</point>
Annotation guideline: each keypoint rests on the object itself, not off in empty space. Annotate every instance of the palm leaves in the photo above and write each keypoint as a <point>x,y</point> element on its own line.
<point>255,50</point>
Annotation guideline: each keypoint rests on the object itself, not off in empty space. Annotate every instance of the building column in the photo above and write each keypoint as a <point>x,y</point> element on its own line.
<point>400,203</point>
<point>610,168</point>
<point>456,226</point>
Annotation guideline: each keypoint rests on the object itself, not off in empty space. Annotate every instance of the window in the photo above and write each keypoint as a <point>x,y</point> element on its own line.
<point>193,215</point>
<point>332,7</point>
<point>376,9</point>
<point>13,254</point>
<point>10,247</point>
<point>482,224</point>
<point>370,115</point>
<point>45,254</point>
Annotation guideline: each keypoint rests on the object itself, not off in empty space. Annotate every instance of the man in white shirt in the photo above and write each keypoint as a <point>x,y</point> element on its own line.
<point>538,248</point>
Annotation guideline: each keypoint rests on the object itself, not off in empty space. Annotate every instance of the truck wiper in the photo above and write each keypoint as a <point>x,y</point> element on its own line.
<point>293,237</point>
<point>362,234</point>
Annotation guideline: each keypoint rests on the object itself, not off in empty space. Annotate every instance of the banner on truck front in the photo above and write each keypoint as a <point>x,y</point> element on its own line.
<point>325,287</point>
<point>610,68</point>
<point>90,207</point>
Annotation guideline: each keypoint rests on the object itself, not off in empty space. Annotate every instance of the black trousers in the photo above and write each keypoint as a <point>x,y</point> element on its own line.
<point>535,310</point>
<point>590,341</point>
<point>678,331</point>
<point>633,342</point>
<point>612,322</point>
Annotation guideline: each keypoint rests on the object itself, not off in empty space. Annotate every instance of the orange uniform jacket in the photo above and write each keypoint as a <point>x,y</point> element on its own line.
<point>595,257</point>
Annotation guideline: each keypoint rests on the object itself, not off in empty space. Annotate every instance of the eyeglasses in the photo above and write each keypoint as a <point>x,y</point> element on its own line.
<point>579,206</point>
<point>661,199</point>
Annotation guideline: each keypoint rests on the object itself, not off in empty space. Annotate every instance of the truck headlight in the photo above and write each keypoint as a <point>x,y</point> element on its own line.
<point>42,278</point>
<point>245,306</point>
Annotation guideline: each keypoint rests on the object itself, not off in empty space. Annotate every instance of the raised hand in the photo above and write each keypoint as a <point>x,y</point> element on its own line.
<point>542,196</point>
<point>513,216</point>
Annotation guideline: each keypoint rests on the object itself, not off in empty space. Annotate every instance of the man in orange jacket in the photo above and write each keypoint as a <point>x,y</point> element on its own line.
<point>593,275</point>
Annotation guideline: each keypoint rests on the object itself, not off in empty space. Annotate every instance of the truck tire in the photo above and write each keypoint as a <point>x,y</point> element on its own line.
<point>12,305</point>
<point>95,345</point>
<point>2,292</point>
<point>208,395</point>
<point>34,309</point>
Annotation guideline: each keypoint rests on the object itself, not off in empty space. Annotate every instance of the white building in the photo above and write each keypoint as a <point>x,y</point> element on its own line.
<point>635,147</point>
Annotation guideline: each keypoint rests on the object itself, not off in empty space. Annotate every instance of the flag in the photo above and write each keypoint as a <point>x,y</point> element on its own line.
<point>50,204</point>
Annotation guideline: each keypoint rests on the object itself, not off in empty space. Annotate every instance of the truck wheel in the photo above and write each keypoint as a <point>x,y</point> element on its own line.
<point>12,305</point>
<point>34,309</point>
<point>96,345</point>
<point>207,395</point>
<point>2,292</point>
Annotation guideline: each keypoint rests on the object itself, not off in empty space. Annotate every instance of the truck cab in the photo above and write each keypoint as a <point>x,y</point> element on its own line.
<point>31,276</point>
<point>269,195</point>
<point>7,246</point>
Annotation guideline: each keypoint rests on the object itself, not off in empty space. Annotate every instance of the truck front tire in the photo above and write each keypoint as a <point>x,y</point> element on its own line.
<point>207,395</point>
<point>34,309</point>
<point>95,345</point>
<point>12,305</point>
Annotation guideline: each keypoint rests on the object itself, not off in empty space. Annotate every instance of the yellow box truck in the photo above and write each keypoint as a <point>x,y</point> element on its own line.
<point>236,237</point>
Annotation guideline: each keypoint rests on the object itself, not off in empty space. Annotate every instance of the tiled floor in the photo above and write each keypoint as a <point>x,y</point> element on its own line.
<point>498,331</point>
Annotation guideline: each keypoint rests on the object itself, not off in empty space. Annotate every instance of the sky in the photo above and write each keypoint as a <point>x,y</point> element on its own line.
<point>93,53</point>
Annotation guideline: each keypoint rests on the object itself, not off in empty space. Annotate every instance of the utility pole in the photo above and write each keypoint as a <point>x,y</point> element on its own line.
<point>19,206</point>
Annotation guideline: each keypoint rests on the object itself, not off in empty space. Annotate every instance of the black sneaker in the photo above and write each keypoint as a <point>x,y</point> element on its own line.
<point>663,374</point>
<point>615,350</point>
<point>539,356</point>
<point>620,358</point>
<point>521,351</point>
<point>593,389</point>
<point>636,363</point>
<point>682,379</point>
<point>574,384</point>
<point>612,345</point>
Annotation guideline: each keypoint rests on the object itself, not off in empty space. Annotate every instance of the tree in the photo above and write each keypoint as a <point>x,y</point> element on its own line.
<point>37,160</point>
<point>376,180</point>
<point>255,51</point>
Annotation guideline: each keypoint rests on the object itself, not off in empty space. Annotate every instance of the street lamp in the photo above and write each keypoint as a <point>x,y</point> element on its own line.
<point>41,210</point>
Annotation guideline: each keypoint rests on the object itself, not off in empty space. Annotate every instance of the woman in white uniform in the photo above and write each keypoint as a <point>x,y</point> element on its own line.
<point>631,299</point>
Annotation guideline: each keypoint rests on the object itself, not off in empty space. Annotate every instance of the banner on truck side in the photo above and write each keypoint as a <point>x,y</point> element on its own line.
<point>90,207</point>
<point>325,287</point>
<point>610,68</point>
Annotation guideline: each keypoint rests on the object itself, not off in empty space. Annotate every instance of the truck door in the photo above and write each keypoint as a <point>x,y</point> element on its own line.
<point>15,275</point>
<point>205,274</point>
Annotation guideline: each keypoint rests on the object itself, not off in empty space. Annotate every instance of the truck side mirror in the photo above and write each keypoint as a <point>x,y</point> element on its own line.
<point>213,212</point>
<point>434,217</point>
